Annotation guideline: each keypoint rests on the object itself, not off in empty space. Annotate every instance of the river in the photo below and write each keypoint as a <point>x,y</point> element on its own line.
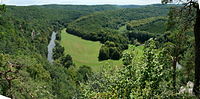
<point>51,46</point>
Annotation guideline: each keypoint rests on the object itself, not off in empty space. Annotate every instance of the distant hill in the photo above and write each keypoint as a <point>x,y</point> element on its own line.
<point>131,6</point>
<point>103,25</point>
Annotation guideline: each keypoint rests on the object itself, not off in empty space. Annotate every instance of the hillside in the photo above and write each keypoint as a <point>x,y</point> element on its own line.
<point>109,25</point>
<point>154,25</point>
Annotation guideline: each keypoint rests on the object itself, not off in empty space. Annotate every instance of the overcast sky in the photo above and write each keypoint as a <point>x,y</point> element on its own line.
<point>82,2</point>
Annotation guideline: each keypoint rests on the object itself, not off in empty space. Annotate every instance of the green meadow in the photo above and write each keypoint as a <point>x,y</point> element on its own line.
<point>85,52</point>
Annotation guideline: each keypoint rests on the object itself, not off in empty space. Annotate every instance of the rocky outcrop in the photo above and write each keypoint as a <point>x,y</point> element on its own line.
<point>3,97</point>
<point>188,89</point>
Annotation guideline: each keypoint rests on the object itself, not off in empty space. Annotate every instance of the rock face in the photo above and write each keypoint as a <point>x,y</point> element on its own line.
<point>187,89</point>
<point>3,97</point>
<point>178,66</point>
<point>199,3</point>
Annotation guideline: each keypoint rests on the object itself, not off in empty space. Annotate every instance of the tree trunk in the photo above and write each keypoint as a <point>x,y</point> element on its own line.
<point>197,53</point>
<point>174,73</point>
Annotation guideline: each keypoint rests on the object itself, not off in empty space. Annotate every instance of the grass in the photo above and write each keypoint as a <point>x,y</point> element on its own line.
<point>85,52</point>
<point>138,51</point>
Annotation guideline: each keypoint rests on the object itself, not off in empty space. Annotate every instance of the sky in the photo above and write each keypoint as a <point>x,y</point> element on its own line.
<point>79,2</point>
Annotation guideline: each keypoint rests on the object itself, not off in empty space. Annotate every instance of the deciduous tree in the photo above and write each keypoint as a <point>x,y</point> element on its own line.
<point>190,4</point>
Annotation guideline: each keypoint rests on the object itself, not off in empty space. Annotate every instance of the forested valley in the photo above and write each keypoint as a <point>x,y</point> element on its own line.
<point>101,51</point>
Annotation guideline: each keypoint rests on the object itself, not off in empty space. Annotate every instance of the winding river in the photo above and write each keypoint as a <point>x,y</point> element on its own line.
<point>51,46</point>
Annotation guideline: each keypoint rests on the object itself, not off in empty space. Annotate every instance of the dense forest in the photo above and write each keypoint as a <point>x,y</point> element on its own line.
<point>154,43</point>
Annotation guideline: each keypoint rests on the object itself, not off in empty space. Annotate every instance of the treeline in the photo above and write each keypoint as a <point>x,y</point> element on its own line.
<point>111,50</point>
<point>136,36</point>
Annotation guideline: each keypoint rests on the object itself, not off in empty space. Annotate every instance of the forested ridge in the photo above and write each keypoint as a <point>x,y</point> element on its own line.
<point>108,22</point>
<point>148,41</point>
